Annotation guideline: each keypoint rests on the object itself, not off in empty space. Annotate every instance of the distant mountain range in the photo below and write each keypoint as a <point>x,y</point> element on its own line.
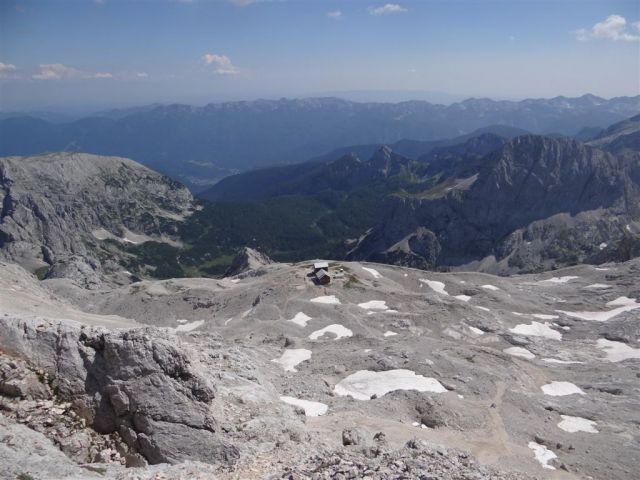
<point>200,145</point>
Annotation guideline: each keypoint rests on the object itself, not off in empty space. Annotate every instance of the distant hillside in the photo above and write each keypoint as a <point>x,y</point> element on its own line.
<point>200,145</point>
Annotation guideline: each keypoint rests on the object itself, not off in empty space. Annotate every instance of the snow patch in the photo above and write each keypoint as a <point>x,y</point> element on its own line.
<point>374,305</point>
<point>292,357</point>
<point>543,455</point>
<point>362,384</point>
<point>489,287</point>
<point>340,331</point>
<point>602,246</point>
<point>464,298</point>
<point>560,389</point>
<point>537,329</point>
<point>598,286</point>
<point>543,316</point>
<point>558,361</point>
<point>577,424</point>
<point>300,319</point>
<point>618,351</point>
<point>389,333</point>
<point>476,330</point>
<point>625,305</point>
<point>519,352</point>
<point>483,308</point>
<point>311,409</point>
<point>564,279</point>
<point>187,327</point>
<point>373,272</point>
<point>328,299</point>
<point>434,285</point>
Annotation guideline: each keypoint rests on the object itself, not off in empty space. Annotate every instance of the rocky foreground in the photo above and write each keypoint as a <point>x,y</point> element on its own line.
<point>388,372</point>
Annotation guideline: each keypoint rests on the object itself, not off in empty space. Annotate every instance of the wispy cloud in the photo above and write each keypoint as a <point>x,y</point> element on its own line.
<point>222,64</point>
<point>142,75</point>
<point>56,71</point>
<point>7,70</point>
<point>614,27</point>
<point>336,15</point>
<point>387,9</point>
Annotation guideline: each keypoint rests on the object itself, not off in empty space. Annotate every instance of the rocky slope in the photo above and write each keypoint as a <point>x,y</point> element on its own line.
<point>534,203</point>
<point>67,214</point>
<point>388,372</point>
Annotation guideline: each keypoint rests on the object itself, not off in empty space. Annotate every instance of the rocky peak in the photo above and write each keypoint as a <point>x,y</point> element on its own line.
<point>247,259</point>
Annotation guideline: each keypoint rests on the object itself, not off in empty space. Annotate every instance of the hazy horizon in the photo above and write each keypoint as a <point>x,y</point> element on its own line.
<point>95,54</point>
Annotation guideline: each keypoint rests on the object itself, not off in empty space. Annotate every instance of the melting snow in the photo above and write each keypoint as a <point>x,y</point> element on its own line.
<point>543,316</point>
<point>577,424</point>
<point>598,286</point>
<point>329,299</point>
<point>537,329</point>
<point>301,319</point>
<point>564,279</point>
<point>292,357</point>
<point>519,352</point>
<point>543,455</point>
<point>476,330</point>
<point>374,305</point>
<point>618,351</point>
<point>560,389</point>
<point>558,361</point>
<point>464,298</point>
<point>489,287</point>
<point>389,333</point>
<point>625,305</point>
<point>362,384</point>
<point>187,327</point>
<point>435,285</point>
<point>373,272</point>
<point>338,330</point>
<point>311,409</point>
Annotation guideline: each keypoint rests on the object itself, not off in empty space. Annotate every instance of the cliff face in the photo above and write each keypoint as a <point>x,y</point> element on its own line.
<point>57,208</point>
<point>536,202</point>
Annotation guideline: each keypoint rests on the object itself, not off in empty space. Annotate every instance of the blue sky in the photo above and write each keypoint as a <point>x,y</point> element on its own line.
<point>86,53</point>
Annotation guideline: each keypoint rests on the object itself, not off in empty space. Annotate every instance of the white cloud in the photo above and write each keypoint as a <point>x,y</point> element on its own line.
<point>386,9</point>
<point>222,63</point>
<point>614,27</point>
<point>102,75</point>
<point>56,71</point>
<point>336,15</point>
<point>142,74</point>
<point>412,70</point>
<point>6,70</point>
<point>244,3</point>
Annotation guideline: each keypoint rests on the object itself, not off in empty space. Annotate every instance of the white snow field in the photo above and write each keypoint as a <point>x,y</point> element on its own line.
<point>362,384</point>
<point>301,319</point>
<point>618,351</point>
<point>292,357</point>
<point>434,285</point>
<point>544,316</point>
<point>559,362</point>
<point>489,287</point>
<point>519,352</point>
<point>476,330</point>
<point>624,304</point>
<point>340,331</point>
<point>328,299</point>
<point>543,455</point>
<point>537,329</point>
<point>374,305</point>
<point>187,327</point>
<point>564,279</point>
<point>389,333</point>
<point>464,298</point>
<point>373,272</point>
<point>598,286</point>
<point>311,409</point>
<point>560,389</point>
<point>577,424</point>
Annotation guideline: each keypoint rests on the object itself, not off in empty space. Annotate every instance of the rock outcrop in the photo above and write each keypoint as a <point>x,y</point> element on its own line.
<point>59,209</point>
<point>247,260</point>
<point>138,384</point>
